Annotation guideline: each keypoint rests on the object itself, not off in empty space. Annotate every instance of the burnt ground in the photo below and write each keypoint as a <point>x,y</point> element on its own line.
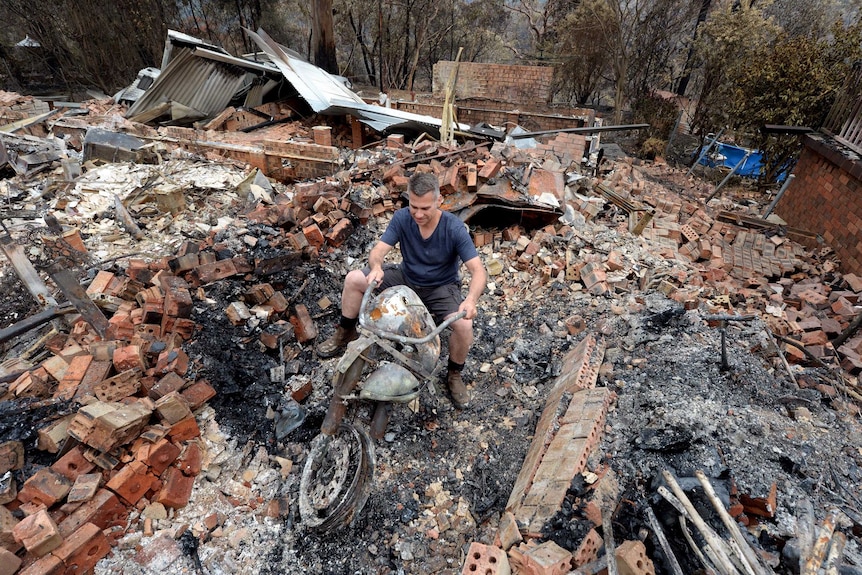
<point>443,476</point>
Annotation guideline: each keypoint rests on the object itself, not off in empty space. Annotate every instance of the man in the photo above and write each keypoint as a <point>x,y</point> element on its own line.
<point>433,243</point>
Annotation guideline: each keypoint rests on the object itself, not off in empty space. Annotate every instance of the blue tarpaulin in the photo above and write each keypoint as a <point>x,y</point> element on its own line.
<point>729,155</point>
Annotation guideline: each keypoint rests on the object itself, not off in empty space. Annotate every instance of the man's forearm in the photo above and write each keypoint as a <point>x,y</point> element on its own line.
<point>478,281</point>
<point>377,255</point>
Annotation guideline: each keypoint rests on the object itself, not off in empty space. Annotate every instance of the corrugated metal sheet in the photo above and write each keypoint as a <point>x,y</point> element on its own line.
<point>205,78</point>
<point>316,86</point>
<point>326,95</point>
<point>202,84</point>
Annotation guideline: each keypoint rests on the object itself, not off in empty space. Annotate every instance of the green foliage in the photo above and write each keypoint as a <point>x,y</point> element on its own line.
<point>754,74</point>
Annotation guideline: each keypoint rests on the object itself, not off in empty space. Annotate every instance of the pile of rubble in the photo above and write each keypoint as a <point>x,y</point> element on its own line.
<point>208,257</point>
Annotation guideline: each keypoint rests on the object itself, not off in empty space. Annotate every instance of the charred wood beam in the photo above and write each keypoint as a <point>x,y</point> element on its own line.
<point>34,321</point>
<point>25,270</point>
<point>608,536</point>
<point>75,293</point>
<point>126,220</point>
<point>716,548</point>
<point>801,347</point>
<point>815,559</point>
<point>847,333</point>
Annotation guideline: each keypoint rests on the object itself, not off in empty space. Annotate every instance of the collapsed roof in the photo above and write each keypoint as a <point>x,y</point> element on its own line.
<point>198,80</point>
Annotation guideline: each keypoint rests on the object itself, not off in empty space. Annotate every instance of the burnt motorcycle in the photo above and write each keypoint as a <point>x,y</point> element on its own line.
<point>399,349</point>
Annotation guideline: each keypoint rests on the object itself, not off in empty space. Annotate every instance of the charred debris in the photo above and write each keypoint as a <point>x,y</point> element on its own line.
<point>663,385</point>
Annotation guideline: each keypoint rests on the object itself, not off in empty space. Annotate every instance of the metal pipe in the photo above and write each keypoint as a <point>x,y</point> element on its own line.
<point>727,177</point>
<point>583,130</point>
<point>778,196</point>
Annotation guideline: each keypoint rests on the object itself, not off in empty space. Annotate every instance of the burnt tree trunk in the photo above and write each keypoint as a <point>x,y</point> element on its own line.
<point>323,36</point>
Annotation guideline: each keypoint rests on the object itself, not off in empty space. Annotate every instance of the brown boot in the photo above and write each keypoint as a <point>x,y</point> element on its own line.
<point>338,341</point>
<point>457,390</point>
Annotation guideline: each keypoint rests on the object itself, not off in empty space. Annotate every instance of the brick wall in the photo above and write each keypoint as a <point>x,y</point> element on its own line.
<point>516,84</point>
<point>826,198</point>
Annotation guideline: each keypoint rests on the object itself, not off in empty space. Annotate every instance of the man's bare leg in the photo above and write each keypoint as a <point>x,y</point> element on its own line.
<point>354,288</point>
<point>460,340</point>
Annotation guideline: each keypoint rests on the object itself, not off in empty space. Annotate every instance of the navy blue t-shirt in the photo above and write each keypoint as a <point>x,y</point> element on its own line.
<point>435,261</point>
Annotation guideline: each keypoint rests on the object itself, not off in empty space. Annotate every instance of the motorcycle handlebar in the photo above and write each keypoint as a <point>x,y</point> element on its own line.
<point>365,322</point>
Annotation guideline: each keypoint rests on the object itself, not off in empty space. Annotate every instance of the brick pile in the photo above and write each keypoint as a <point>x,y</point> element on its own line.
<point>130,445</point>
<point>14,107</point>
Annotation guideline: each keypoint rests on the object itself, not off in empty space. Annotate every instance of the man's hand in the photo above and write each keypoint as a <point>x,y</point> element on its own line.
<point>375,275</point>
<point>375,262</point>
<point>468,306</point>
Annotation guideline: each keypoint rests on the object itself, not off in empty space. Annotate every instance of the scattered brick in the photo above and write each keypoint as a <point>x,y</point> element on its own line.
<point>38,533</point>
<point>176,489</point>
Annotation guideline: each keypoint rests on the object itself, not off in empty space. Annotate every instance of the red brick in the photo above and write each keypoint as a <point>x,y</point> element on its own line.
<point>7,525</point>
<point>339,232</point>
<point>73,464</point>
<point>185,429</point>
<point>175,360</point>
<point>72,378</point>
<point>100,282</point>
<point>191,461</point>
<point>198,394</point>
<point>588,550</point>
<point>47,565</point>
<point>176,489</point>
<point>38,533</point>
<point>178,303</point>
<point>83,549</point>
<point>184,263</point>
<point>131,482</point>
<point>303,324</point>
<point>45,487</point>
<point>85,487</point>
<point>169,383</point>
<point>633,560</point>
<point>547,559</point>
<point>103,509</point>
<point>314,236</point>
<point>485,560</point>
<point>215,271</point>
<point>160,455</point>
<point>97,371</point>
<point>172,408</point>
<point>152,312</point>
<point>9,562</point>
<point>128,357</point>
<point>11,456</point>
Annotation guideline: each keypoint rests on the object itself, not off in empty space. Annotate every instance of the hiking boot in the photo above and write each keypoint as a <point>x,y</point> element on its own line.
<point>336,343</point>
<point>457,390</point>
